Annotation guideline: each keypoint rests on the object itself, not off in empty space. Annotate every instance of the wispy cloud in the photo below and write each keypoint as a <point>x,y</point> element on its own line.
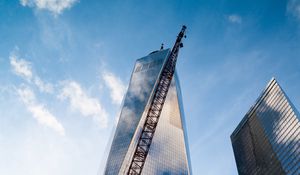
<point>71,90</point>
<point>116,86</point>
<point>293,7</point>
<point>43,86</point>
<point>234,18</point>
<point>39,111</point>
<point>81,101</point>
<point>54,6</point>
<point>23,68</point>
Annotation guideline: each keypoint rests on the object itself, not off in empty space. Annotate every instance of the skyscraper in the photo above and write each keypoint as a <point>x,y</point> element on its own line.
<point>168,152</point>
<point>267,140</point>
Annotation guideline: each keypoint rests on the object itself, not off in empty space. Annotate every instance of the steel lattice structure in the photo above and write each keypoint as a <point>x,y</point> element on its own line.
<point>152,117</point>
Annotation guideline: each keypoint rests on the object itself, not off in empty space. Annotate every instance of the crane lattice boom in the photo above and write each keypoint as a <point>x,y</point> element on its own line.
<point>156,105</point>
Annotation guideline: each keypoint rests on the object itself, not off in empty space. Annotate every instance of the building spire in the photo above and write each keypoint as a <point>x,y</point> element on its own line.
<point>162,46</point>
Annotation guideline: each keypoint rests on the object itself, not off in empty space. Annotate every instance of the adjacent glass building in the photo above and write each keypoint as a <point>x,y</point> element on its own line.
<point>267,140</point>
<point>168,152</point>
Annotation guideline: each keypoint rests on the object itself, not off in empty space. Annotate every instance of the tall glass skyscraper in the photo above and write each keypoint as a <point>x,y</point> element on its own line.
<point>168,152</point>
<point>267,140</point>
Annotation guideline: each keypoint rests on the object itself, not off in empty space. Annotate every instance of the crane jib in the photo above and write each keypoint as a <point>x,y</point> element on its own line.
<point>156,105</point>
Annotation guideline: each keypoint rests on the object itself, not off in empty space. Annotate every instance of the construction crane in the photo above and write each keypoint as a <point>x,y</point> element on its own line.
<point>155,108</point>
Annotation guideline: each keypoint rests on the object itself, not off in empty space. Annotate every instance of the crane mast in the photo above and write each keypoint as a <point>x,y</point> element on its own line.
<point>156,105</point>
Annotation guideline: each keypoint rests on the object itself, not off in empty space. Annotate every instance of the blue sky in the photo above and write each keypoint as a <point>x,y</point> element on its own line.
<point>65,64</point>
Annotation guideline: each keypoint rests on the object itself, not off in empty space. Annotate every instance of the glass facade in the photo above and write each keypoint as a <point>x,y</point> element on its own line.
<point>267,140</point>
<point>168,152</point>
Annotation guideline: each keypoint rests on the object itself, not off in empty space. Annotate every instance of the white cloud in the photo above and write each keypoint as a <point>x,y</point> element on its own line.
<point>116,86</point>
<point>39,111</point>
<point>293,7</point>
<point>71,90</point>
<point>23,69</point>
<point>54,6</point>
<point>79,100</point>
<point>43,87</point>
<point>234,18</point>
<point>20,67</point>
